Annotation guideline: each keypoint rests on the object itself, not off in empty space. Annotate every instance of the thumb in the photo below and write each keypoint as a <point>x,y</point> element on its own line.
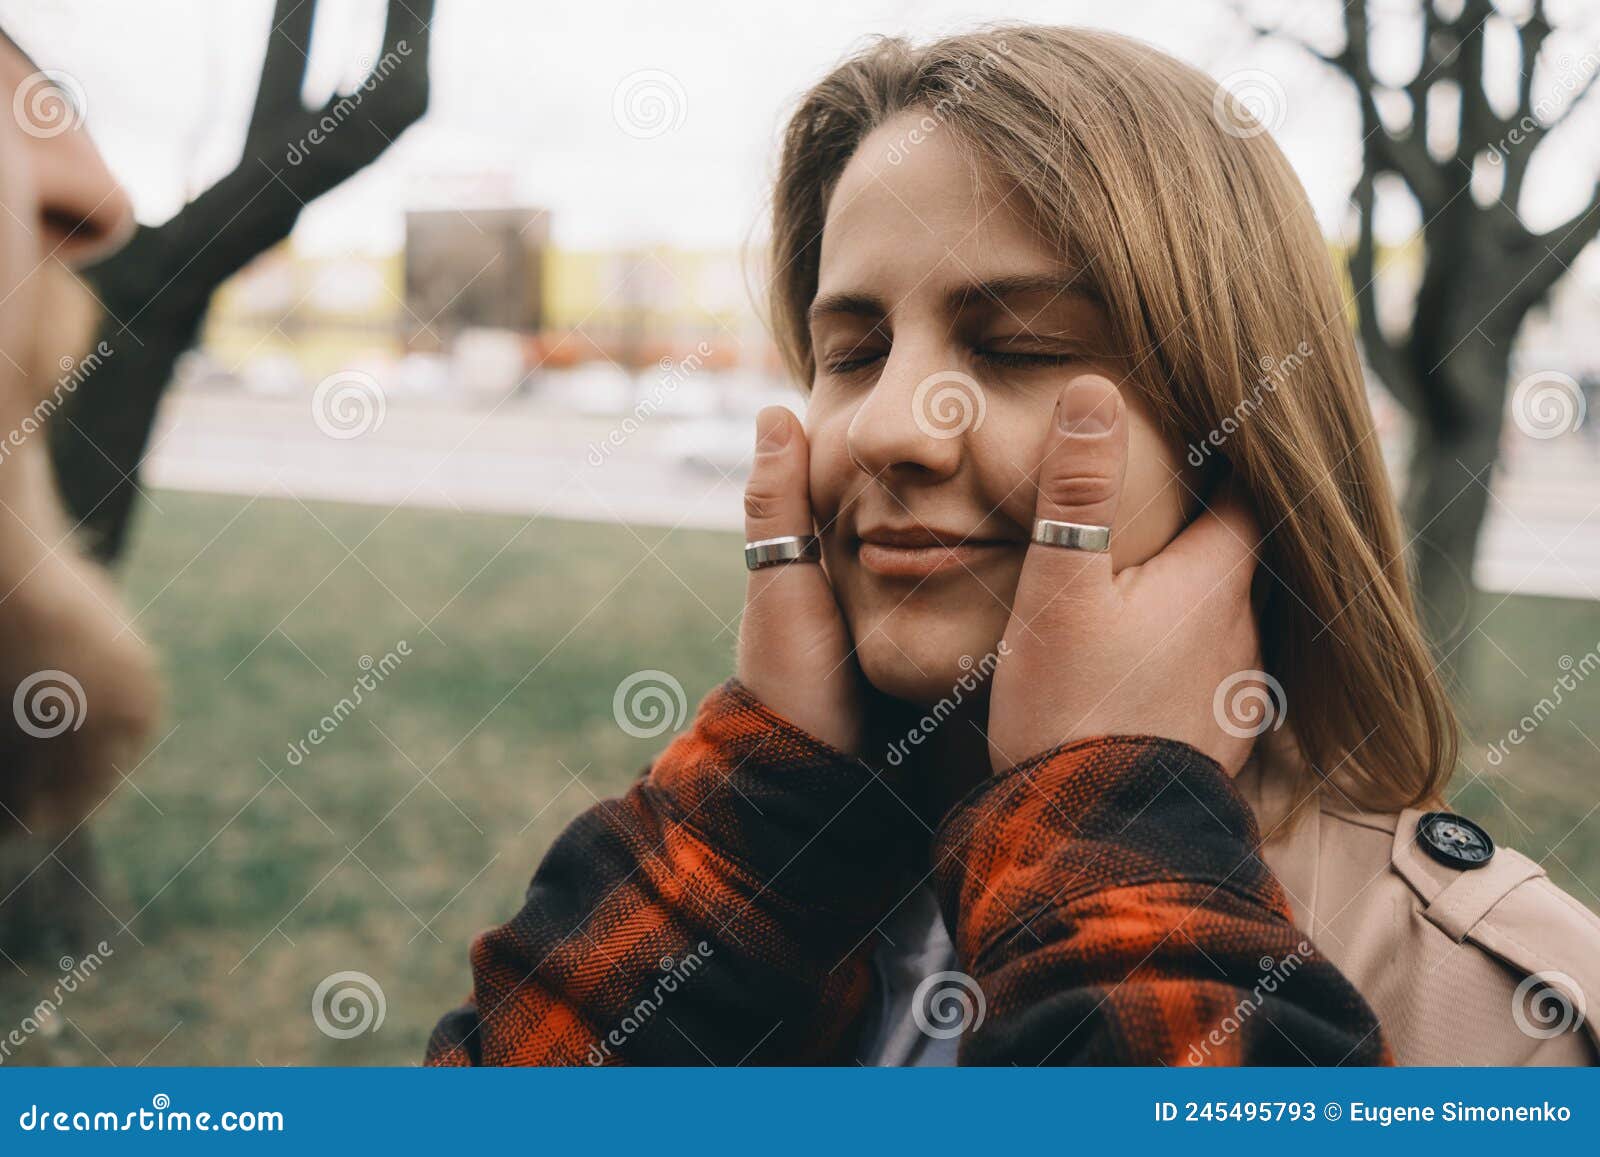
<point>793,648</point>
<point>777,498</point>
<point>1079,480</point>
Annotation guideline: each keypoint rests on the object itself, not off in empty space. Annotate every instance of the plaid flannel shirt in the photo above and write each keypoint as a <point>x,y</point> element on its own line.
<point>1105,897</point>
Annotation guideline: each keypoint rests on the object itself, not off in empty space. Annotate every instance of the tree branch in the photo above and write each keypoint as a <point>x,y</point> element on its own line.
<point>283,74</point>
<point>1405,155</point>
<point>1428,61</point>
<point>1531,131</point>
<point>1362,264</point>
<point>292,156</point>
<point>1477,124</point>
<point>1531,35</point>
<point>1548,256</point>
<point>160,284</point>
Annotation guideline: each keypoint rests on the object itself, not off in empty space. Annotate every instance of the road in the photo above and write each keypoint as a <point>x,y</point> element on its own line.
<point>1542,536</point>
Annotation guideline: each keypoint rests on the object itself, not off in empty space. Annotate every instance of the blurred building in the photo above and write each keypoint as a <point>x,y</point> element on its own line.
<point>483,281</point>
<point>471,269</point>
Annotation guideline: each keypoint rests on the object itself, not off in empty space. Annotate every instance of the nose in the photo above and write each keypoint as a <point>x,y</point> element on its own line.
<point>84,214</point>
<point>915,420</point>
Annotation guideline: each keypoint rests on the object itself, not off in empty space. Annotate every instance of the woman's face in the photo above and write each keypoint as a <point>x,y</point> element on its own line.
<point>944,331</point>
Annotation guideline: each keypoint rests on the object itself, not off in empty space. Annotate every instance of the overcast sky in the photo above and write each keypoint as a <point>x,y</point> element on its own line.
<point>523,98</point>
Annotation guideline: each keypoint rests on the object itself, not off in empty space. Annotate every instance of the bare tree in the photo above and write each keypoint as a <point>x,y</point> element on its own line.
<point>1483,268</point>
<point>156,289</point>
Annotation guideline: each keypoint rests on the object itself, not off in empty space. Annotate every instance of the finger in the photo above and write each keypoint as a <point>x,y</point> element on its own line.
<point>789,606</point>
<point>1215,553</point>
<point>1079,480</point>
<point>777,498</point>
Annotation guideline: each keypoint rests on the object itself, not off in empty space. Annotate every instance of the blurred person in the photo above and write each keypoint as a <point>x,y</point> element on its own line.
<point>79,687</point>
<point>1049,294</point>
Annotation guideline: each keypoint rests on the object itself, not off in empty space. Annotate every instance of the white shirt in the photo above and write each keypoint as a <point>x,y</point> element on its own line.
<point>916,947</point>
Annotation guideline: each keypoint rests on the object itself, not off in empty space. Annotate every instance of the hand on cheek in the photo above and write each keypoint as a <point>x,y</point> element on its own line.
<point>1090,651</point>
<point>794,650</point>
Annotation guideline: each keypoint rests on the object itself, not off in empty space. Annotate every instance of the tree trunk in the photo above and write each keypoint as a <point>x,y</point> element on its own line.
<point>1447,492</point>
<point>99,443</point>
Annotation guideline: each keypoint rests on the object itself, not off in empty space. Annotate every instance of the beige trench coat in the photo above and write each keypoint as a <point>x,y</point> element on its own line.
<point>1489,966</point>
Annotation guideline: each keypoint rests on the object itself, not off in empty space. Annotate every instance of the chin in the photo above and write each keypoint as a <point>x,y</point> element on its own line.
<point>922,662</point>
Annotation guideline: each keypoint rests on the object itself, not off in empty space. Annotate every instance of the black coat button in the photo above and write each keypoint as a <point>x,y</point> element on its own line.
<point>1455,841</point>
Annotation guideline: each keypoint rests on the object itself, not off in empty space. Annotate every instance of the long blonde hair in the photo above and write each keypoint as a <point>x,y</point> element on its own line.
<point>1189,226</point>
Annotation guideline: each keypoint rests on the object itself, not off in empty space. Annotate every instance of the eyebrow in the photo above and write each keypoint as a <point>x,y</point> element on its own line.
<point>998,289</point>
<point>846,304</point>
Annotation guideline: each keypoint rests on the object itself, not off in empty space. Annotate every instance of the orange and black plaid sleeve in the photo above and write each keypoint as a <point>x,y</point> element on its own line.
<point>721,912</point>
<point>1108,901</point>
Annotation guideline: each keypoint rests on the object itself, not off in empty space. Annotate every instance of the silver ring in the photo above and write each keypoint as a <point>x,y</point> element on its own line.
<point>1071,535</point>
<point>776,551</point>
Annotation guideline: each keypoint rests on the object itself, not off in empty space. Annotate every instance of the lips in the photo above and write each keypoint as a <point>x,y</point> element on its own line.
<point>923,552</point>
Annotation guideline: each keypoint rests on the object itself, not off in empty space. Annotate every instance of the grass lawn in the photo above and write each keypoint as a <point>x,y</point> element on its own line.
<point>245,877</point>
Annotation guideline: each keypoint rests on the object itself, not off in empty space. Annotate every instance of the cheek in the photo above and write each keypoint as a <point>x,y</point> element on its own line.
<point>1154,495</point>
<point>19,248</point>
<point>827,427</point>
<point>1003,454</point>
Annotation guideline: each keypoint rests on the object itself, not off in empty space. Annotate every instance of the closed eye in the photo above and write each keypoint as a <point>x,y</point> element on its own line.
<point>1023,360</point>
<point>852,361</point>
<point>855,360</point>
